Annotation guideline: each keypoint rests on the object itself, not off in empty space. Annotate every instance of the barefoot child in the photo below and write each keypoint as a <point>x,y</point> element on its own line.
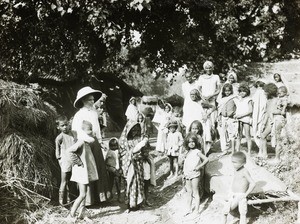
<point>66,159</point>
<point>242,186</point>
<point>149,172</point>
<point>243,114</point>
<point>113,167</point>
<point>279,118</point>
<point>191,171</point>
<point>227,125</point>
<point>85,174</point>
<point>174,143</point>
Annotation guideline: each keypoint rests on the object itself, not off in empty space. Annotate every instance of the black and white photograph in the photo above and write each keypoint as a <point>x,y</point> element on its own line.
<point>150,111</point>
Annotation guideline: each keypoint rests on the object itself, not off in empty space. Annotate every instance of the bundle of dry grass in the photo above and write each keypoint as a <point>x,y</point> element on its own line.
<point>27,163</point>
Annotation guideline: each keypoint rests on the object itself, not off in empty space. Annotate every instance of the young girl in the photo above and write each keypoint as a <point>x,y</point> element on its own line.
<point>243,114</point>
<point>142,122</point>
<point>227,125</point>
<point>191,170</point>
<point>197,129</point>
<point>132,110</point>
<point>278,80</point>
<point>85,174</point>
<point>174,143</point>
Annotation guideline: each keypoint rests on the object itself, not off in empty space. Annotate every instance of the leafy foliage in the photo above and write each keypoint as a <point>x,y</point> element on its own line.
<point>72,39</point>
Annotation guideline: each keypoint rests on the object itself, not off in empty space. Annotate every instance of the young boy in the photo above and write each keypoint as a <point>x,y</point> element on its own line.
<point>66,159</point>
<point>113,167</point>
<point>242,186</point>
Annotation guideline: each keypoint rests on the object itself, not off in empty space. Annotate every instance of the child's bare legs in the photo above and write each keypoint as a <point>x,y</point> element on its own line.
<point>65,179</point>
<point>189,193</point>
<point>248,137</point>
<point>195,188</point>
<point>79,200</point>
<point>171,166</point>
<point>175,165</point>
<point>264,135</point>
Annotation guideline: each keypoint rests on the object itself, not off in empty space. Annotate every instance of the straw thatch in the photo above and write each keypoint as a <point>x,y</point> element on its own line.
<point>27,164</point>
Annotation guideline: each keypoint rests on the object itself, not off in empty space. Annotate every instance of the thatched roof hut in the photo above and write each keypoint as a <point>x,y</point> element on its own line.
<point>28,167</point>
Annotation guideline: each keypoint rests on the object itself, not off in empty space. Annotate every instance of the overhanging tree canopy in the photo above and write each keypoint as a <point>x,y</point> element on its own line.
<point>72,39</point>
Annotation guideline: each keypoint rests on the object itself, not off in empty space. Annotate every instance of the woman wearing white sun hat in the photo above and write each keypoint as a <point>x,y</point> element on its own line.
<point>85,99</point>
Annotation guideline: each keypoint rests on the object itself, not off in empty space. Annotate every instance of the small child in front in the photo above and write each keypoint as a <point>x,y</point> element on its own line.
<point>174,143</point>
<point>83,175</point>
<point>191,171</point>
<point>242,186</point>
<point>66,159</point>
<point>113,167</point>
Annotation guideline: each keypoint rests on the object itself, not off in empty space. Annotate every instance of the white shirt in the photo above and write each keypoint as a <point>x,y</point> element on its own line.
<point>208,84</point>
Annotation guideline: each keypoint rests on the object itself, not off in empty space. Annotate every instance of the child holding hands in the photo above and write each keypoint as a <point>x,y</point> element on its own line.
<point>242,186</point>
<point>191,170</point>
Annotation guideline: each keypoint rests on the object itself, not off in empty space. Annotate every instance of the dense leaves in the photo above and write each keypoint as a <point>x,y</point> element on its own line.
<point>72,39</point>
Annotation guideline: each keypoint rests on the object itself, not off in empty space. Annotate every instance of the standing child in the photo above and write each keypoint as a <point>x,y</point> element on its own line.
<point>243,114</point>
<point>279,119</point>
<point>132,110</point>
<point>242,186</point>
<point>85,174</point>
<point>191,171</point>
<point>149,172</point>
<point>64,140</point>
<point>113,167</point>
<point>142,121</point>
<point>174,143</point>
<point>228,127</point>
<point>162,129</point>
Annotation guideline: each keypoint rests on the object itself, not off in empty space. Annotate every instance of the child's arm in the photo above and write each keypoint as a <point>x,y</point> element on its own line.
<point>251,182</point>
<point>57,146</point>
<point>249,112</point>
<point>205,161</point>
<point>140,145</point>
<point>76,146</point>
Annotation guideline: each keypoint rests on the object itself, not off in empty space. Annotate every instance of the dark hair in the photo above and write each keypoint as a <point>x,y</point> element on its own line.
<point>112,142</point>
<point>194,138</point>
<point>61,118</point>
<point>270,90</point>
<point>259,84</point>
<point>276,74</point>
<point>197,93</point>
<point>199,125</point>
<point>244,88</point>
<point>241,156</point>
<point>227,85</point>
